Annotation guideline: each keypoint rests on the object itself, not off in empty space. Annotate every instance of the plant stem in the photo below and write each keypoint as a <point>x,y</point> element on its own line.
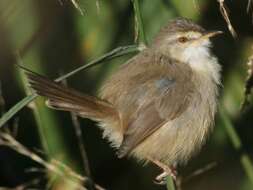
<point>170,183</point>
<point>237,144</point>
<point>140,34</point>
<point>82,149</point>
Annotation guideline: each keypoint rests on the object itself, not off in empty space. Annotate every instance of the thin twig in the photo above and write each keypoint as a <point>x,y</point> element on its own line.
<point>79,137</point>
<point>23,186</point>
<point>77,6</point>
<point>82,149</point>
<point>200,171</point>
<point>54,166</point>
<point>248,84</point>
<point>224,12</point>
<point>35,170</point>
<point>7,140</point>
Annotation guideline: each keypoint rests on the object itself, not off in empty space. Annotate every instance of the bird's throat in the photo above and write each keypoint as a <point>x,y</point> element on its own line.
<point>203,62</point>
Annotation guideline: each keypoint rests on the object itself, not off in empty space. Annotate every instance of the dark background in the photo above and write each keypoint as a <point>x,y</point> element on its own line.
<point>53,38</point>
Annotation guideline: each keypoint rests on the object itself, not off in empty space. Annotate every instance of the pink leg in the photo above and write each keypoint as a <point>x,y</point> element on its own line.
<point>167,171</point>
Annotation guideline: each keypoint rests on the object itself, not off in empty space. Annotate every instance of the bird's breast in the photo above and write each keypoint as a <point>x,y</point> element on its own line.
<point>179,139</point>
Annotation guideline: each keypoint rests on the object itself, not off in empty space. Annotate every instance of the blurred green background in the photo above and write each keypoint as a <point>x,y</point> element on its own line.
<point>53,38</point>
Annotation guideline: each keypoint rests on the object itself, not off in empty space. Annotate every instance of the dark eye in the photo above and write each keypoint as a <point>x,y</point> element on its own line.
<point>182,39</point>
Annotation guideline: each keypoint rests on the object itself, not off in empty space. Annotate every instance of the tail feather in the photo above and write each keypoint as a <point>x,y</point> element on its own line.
<point>67,99</point>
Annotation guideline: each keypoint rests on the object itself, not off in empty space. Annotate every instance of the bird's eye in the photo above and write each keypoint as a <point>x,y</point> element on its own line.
<point>182,39</point>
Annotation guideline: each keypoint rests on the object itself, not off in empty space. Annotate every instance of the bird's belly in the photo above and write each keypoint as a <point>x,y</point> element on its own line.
<point>178,140</point>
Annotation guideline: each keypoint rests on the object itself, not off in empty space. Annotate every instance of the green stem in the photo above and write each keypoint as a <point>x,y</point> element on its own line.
<point>139,24</point>
<point>170,183</point>
<point>120,51</point>
<point>237,144</point>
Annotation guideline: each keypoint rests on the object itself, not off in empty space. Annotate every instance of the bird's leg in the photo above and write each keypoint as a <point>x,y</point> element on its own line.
<point>167,171</point>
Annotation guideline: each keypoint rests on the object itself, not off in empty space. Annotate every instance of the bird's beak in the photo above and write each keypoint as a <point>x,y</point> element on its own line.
<point>210,34</point>
<point>206,36</point>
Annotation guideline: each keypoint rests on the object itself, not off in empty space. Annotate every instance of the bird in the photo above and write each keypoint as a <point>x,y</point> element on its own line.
<point>158,107</point>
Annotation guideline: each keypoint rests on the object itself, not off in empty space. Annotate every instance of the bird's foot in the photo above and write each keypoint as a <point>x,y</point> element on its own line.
<point>167,171</point>
<point>161,178</point>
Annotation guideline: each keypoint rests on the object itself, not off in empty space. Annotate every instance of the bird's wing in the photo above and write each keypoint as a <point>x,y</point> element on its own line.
<point>162,92</point>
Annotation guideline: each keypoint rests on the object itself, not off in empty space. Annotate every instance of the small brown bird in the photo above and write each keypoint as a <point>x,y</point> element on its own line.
<point>160,105</point>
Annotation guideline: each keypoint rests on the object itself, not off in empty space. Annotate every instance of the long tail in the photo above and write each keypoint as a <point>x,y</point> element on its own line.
<point>63,98</point>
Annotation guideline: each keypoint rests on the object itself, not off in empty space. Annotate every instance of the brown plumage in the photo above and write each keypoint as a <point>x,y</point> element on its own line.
<point>141,95</point>
<point>160,105</point>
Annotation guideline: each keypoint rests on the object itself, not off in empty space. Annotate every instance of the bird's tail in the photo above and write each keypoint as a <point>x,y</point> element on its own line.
<point>64,98</point>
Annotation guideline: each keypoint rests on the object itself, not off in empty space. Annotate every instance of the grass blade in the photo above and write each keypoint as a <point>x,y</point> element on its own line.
<point>16,108</point>
<point>237,144</point>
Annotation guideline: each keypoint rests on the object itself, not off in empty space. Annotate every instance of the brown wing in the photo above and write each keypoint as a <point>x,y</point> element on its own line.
<point>156,90</point>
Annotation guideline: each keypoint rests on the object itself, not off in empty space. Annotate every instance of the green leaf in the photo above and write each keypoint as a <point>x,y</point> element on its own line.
<point>16,108</point>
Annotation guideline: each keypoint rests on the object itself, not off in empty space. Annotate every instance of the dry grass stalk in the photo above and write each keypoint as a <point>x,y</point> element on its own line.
<point>7,140</point>
<point>82,149</point>
<point>182,180</point>
<point>249,5</point>
<point>79,136</point>
<point>200,171</point>
<point>25,186</point>
<point>248,84</point>
<point>224,12</point>
<point>54,166</point>
<point>76,5</point>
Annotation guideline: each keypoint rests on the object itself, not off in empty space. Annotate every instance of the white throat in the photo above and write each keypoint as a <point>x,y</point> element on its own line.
<point>202,61</point>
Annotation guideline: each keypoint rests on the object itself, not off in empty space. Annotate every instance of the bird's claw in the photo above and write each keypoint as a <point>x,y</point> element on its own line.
<point>161,179</point>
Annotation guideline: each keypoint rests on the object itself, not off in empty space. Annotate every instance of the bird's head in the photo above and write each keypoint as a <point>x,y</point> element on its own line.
<point>184,40</point>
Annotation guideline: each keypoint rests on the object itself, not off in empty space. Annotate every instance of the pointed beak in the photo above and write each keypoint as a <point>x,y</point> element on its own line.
<point>205,36</point>
<point>210,34</point>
